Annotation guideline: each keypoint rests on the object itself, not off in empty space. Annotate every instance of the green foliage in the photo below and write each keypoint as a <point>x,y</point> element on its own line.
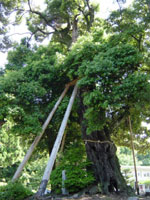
<point>26,91</point>
<point>132,24</point>
<point>81,52</point>
<point>75,164</point>
<point>7,173</point>
<point>144,159</point>
<point>14,191</point>
<point>112,80</point>
<point>33,171</point>
<point>17,58</point>
<point>126,158</point>
<point>146,182</point>
<point>128,176</point>
<point>12,152</point>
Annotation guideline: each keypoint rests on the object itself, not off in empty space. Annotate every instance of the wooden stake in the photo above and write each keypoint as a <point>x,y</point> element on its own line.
<point>132,145</point>
<point>56,146</point>
<point>37,139</point>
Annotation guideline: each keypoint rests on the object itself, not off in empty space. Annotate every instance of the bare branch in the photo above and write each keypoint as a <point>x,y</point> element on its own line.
<point>30,38</point>
<point>45,33</point>
<point>41,15</point>
<point>19,34</point>
<point>138,40</point>
<point>88,5</point>
<point>119,5</point>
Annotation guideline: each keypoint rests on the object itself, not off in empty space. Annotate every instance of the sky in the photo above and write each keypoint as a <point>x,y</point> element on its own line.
<point>106,6</point>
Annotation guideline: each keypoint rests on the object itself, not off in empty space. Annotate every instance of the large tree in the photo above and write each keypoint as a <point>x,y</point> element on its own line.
<point>111,87</point>
<point>112,84</point>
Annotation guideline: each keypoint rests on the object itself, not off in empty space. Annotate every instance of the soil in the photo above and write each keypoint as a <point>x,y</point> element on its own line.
<point>89,197</point>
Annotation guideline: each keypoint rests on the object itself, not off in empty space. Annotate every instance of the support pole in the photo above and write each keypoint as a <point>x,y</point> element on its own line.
<point>56,146</point>
<point>63,143</point>
<point>132,145</point>
<point>37,139</point>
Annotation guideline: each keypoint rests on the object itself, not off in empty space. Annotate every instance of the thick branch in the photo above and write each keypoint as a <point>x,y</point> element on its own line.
<point>44,32</point>
<point>19,34</point>
<point>138,40</point>
<point>88,5</point>
<point>41,15</point>
<point>89,16</point>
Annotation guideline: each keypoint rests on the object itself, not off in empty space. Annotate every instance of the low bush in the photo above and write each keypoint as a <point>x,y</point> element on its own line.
<point>14,191</point>
<point>75,164</point>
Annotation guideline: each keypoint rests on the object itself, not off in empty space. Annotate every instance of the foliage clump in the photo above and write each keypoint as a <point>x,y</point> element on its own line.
<point>14,191</point>
<point>75,164</point>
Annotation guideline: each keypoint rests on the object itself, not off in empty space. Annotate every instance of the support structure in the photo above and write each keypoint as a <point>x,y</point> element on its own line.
<point>132,145</point>
<point>56,146</point>
<point>37,139</point>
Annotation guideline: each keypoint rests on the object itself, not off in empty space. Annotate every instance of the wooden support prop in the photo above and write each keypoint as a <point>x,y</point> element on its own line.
<point>71,83</point>
<point>132,146</point>
<point>37,139</point>
<point>56,146</point>
<point>63,143</point>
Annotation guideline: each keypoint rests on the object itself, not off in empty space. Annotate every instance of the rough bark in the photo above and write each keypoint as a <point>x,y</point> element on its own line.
<point>101,151</point>
<point>75,29</point>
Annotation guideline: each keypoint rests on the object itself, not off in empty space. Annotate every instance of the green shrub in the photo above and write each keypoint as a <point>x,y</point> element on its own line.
<point>146,182</point>
<point>14,191</point>
<point>75,164</point>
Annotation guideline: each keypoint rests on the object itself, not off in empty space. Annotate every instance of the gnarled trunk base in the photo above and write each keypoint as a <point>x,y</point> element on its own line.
<point>102,153</point>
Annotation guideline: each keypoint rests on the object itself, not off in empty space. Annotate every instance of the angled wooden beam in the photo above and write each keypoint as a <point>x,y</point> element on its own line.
<point>37,139</point>
<point>134,160</point>
<point>56,146</point>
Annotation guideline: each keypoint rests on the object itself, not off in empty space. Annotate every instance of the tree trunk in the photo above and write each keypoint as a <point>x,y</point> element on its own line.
<point>75,29</point>
<point>101,151</point>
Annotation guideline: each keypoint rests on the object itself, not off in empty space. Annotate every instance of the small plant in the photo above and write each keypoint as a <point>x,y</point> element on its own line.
<point>14,191</point>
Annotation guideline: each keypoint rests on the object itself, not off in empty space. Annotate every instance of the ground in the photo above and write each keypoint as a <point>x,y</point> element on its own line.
<point>91,197</point>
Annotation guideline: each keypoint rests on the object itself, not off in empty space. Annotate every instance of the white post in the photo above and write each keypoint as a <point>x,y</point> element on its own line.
<point>56,145</point>
<point>64,178</point>
<point>37,139</point>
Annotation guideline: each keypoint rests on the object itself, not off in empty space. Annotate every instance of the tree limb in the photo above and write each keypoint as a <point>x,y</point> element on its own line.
<point>41,15</point>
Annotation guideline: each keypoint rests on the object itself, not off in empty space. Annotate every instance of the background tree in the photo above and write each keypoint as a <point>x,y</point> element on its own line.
<point>8,10</point>
<point>132,24</point>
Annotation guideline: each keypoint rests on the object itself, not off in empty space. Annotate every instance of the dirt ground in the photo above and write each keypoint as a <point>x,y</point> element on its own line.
<point>103,197</point>
<point>93,197</point>
<point>111,197</point>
